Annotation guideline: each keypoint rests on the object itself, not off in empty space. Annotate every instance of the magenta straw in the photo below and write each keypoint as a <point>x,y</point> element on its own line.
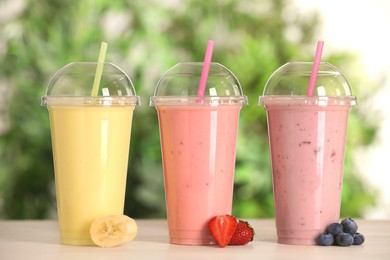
<point>205,68</point>
<point>314,71</point>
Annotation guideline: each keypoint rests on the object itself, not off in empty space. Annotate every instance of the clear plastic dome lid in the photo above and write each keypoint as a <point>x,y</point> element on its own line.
<point>179,85</point>
<point>72,85</point>
<point>292,79</point>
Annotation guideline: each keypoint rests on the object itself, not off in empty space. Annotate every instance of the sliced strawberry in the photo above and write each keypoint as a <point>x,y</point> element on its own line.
<point>222,228</point>
<point>244,234</point>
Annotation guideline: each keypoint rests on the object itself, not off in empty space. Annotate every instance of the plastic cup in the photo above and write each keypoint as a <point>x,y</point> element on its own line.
<point>307,145</point>
<point>198,144</point>
<point>90,139</point>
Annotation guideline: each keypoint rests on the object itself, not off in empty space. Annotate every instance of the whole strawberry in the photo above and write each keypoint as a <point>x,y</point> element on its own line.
<point>244,234</point>
<point>222,228</point>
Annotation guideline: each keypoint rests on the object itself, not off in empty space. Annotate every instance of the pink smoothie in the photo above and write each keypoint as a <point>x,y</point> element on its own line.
<point>198,148</point>
<point>307,144</point>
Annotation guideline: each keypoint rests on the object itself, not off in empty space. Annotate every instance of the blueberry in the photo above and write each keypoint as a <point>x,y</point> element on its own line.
<point>344,239</point>
<point>349,226</point>
<point>325,239</point>
<point>358,239</point>
<point>335,229</point>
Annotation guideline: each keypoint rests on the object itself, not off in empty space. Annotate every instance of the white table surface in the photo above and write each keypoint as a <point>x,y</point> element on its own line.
<point>39,239</point>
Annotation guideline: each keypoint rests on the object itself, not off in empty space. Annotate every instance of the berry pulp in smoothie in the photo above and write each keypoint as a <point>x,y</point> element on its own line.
<point>307,146</point>
<point>198,144</point>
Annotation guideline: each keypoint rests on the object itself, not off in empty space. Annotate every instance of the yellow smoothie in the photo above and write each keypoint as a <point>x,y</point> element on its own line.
<point>90,150</point>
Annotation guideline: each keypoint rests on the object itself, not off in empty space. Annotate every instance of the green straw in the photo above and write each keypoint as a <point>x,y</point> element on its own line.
<point>99,69</point>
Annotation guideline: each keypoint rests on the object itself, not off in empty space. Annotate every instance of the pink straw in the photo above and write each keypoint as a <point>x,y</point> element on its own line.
<point>314,71</point>
<point>205,68</point>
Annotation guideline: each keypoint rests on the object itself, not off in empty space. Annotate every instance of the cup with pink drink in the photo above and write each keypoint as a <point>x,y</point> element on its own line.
<point>307,107</point>
<point>198,106</point>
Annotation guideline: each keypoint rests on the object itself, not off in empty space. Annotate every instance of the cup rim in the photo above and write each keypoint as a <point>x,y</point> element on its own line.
<point>199,101</point>
<point>90,101</point>
<point>306,100</point>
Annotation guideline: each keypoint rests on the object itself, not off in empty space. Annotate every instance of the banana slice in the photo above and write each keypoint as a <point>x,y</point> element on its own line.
<point>111,231</point>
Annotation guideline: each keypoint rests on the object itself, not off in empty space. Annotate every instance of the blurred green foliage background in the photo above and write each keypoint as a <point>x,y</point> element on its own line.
<point>147,37</point>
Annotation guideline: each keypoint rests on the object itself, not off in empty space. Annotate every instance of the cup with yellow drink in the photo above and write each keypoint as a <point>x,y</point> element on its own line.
<point>90,130</point>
